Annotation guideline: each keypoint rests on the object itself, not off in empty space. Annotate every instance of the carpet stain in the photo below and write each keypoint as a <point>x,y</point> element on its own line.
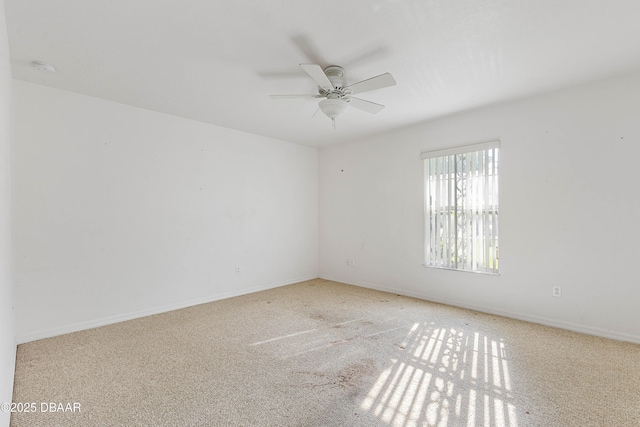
<point>338,342</point>
<point>350,377</point>
<point>353,374</point>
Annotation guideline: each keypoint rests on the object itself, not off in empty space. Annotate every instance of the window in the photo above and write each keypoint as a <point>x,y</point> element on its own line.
<point>461,208</point>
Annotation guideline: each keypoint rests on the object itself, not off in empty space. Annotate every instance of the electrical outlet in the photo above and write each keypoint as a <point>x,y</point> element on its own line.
<point>237,271</point>
<point>557,292</point>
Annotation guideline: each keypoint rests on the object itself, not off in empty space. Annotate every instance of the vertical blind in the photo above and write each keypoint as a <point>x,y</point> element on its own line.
<point>461,208</point>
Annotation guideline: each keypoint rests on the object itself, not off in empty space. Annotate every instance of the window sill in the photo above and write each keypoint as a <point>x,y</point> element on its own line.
<point>485,273</point>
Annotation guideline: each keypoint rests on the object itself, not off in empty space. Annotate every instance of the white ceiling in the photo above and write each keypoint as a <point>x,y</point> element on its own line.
<point>217,61</point>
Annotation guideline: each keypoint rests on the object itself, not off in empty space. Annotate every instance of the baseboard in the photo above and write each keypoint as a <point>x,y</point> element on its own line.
<point>81,326</point>
<point>585,329</point>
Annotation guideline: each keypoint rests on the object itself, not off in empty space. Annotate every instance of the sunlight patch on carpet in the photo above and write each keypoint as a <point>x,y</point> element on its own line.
<point>445,376</point>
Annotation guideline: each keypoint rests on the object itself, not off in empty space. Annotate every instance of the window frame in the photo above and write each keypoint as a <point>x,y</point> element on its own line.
<point>490,263</point>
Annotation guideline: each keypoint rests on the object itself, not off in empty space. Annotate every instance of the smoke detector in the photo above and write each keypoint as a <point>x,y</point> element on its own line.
<point>45,68</point>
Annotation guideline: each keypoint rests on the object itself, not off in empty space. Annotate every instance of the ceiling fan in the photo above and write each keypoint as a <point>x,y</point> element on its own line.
<point>337,94</point>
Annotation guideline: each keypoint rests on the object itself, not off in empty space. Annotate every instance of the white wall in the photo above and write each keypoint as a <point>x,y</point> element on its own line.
<point>122,212</point>
<point>570,209</point>
<point>7,333</point>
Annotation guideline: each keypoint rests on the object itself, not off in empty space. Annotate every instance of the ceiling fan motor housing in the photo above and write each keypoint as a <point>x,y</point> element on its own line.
<point>335,74</point>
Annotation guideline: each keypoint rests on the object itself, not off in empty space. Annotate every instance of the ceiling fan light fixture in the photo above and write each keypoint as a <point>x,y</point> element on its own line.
<point>332,108</point>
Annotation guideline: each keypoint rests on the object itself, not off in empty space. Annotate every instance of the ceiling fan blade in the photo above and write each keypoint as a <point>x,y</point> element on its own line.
<point>368,106</point>
<point>377,82</point>
<point>294,96</point>
<point>316,73</point>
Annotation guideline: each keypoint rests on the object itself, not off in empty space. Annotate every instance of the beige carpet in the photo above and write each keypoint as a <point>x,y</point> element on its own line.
<point>321,353</point>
